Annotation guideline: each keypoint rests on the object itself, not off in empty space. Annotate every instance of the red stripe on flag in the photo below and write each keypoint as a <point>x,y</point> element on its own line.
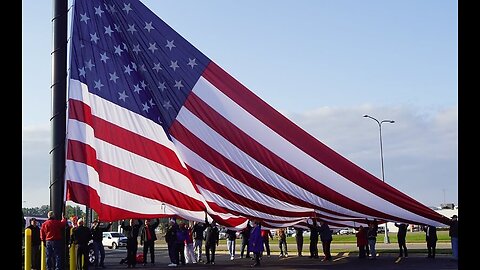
<point>83,153</point>
<point>309,144</point>
<point>87,196</point>
<point>219,209</point>
<point>81,194</point>
<point>262,155</point>
<point>80,111</point>
<point>133,183</point>
<point>227,194</point>
<point>196,145</point>
<point>126,139</point>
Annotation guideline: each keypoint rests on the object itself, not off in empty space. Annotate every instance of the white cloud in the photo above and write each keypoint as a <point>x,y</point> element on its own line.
<point>36,146</point>
<point>420,149</point>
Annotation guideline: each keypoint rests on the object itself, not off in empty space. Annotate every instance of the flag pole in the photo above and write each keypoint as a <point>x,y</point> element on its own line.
<point>58,124</point>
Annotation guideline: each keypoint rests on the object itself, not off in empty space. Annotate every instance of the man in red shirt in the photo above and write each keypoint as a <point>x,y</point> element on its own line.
<point>51,234</point>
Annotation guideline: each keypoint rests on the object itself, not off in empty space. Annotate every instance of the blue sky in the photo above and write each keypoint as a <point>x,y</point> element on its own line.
<point>322,63</point>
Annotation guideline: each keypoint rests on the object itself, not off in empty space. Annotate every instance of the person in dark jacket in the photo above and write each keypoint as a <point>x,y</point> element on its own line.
<point>182,234</point>
<point>299,240</point>
<point>97,236</point>
<point>81,235</point>
<point>401,236</point>
<point>312,225</point>
<point>245,233</point>
<point>326,239</point>
<point>372,238</point>
<point>35,243</point>
<point>211,241</point>
<point>453,233</point>
<point>431,237</point>
<point>198,229</point>
<point>131,232</point>
<point>147,239</point>
<point>231,238</point>
<point>282,242</point>
<point>255,242</point>
<point>171,239</point>
<point>68,234</point>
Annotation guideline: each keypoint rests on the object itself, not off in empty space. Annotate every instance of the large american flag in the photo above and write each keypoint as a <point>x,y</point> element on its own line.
<point>156,129</point>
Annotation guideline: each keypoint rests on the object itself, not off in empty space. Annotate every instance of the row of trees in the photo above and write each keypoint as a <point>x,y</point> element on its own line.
<point>43,210</point>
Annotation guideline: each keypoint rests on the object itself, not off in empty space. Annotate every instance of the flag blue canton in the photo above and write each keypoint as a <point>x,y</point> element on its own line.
<point>129,56</point>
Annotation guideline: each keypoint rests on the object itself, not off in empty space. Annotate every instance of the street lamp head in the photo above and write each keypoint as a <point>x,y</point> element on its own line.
<point>365,115</point>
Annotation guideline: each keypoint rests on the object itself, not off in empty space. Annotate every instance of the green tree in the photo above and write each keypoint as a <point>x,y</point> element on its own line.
<point>73,211</point>
<point>36,211</point>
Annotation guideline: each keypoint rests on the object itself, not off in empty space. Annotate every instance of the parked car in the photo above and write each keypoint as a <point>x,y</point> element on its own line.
<point>346,231</point>
<point>222,234</point>
<point>290,231</point>
<point>112,240</point>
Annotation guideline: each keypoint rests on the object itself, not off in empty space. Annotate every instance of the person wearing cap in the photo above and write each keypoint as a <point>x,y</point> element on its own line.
<point>97,236</point>
<point>35,243</point>
<point>81,235</point>
<point>51,234</point>
<point>453,233</point>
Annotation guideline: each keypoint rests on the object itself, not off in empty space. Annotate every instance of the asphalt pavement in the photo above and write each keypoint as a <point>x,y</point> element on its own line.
<point>384,260</point>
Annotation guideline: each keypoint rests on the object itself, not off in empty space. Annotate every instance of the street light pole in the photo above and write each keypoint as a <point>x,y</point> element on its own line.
<point>386,239</point>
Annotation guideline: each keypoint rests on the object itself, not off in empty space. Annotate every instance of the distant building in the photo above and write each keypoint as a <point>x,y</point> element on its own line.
<point>447,206</point>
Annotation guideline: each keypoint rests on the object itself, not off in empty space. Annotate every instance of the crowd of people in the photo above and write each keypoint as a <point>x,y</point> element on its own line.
<point>366,239</point>
<point>186,239</point>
